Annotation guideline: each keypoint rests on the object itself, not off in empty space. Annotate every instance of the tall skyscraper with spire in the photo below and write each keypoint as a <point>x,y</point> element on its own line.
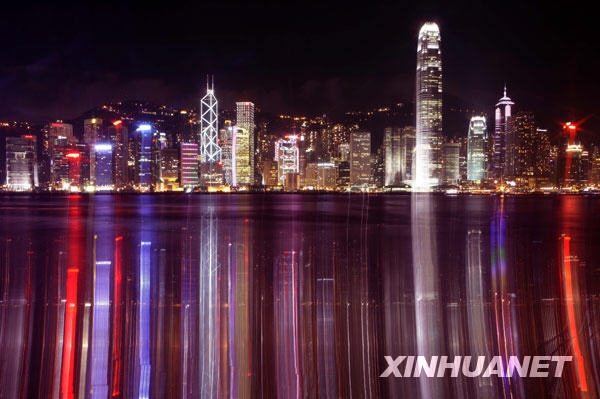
<point>428,107</point>
<point>209,125</point>
<point>503,157</point>
<point>210,152</point>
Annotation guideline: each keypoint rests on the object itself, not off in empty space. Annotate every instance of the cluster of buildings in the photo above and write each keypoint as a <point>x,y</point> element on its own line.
<point>234,152</point>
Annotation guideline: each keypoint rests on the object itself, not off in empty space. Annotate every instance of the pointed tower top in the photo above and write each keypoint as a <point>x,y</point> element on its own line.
<point>210,83</point>
<point>505,100</point>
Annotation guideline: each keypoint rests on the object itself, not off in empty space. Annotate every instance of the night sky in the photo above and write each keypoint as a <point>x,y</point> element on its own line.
<point>59,60</point>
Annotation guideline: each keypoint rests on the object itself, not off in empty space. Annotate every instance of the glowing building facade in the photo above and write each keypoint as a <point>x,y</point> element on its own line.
<point>92,134</point>
<point>503,157</point>
<point>428,106</point>
<point>143,161</point>
<point>59,134</point>
<point>407,151</point>
<point>321,176</point>
<point>209,150</point>
<point>360,159</point>
<point>450,163</point>
<point>476,145</point>
<point>532,148</point>
<point>118,136</point>
<point>188,164</point>
<point>92,129</point>
<point>58,137</point>
<point>287,156</point>
<point>244,143</point>
<point>392,149</point>
<point>21,163</point>
<point>226,137</point>
<point>103,153</point>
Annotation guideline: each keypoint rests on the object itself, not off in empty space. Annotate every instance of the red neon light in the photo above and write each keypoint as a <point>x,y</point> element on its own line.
<point>28,136</point>
<point>568,287</point>
<point>117,123</point>
<point>73,155</point>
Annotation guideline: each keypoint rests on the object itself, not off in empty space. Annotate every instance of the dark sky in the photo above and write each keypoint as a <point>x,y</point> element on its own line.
<point>60,59</point>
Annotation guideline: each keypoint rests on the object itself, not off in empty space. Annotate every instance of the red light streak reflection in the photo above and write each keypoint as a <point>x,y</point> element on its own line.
<point>567,279</point>
<point>69,341</point>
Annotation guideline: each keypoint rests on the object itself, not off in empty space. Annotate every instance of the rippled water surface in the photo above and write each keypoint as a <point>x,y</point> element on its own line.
<point>293,295</point>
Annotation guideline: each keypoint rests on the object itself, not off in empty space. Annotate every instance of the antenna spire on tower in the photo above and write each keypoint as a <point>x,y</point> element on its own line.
<point>504,89</point>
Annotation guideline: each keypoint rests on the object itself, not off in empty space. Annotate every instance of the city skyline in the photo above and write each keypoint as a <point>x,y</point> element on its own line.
<point>253,200</point>
<point>244,154</point>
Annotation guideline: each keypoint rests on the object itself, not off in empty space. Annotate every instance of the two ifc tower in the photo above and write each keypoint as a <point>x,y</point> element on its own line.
<point>429,139</point>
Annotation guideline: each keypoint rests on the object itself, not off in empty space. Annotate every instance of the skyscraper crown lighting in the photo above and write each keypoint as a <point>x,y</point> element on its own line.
<point>428,107</point>
<point>503,157</point>
<point>476,148</point>
<point>505,100</point>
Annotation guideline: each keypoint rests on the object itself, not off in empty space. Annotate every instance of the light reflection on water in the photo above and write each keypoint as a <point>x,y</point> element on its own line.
<point>292,295</point>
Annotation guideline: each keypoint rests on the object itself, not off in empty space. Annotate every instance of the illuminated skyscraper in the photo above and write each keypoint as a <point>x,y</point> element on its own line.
<point>226,137</point>
<point>503,160</point>
<point>103,153</point>
<point>344,151</point>
<point>576,164</point>
<point>120,140</point>
<point>450,163</point>
<point>287,157</point>
<point>92,129</point>
<point>428,107</point>
<point>269,173</point>
<point>210,152</point>
<point>169,168</point>
<point>343,175</point>
<point>321,176</point>
<point>476,146</point>
<point>360,159</point>
<point>143,159</point>
<point>244,152</point>
<point>59,135</point>
<point>378,168</point>
<point>188,164</point>
<point>209,124</point>
<point>392,155</point>
<point>407,151</point>
<point>531,148</point>
<point>595,165</point>
<point>21,163</point>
